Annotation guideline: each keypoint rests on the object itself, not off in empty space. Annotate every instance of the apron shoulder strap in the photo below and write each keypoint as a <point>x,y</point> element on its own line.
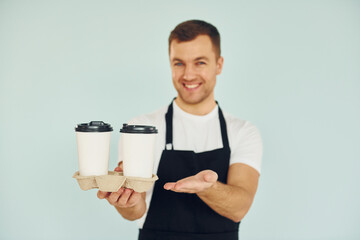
<point>169,128</point>
<point>224,134</point>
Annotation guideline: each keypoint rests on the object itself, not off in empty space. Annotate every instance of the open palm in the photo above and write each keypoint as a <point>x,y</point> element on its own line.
<point>193,184</point>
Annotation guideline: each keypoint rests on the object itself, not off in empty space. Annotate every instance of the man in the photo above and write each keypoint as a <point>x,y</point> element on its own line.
<point>208,162</point>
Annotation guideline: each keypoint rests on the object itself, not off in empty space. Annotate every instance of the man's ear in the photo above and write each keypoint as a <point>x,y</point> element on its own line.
<point>219,65</point>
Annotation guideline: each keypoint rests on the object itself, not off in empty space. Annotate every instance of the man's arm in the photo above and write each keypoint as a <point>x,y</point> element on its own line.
<point>130,204</point>
<point>231,200</point>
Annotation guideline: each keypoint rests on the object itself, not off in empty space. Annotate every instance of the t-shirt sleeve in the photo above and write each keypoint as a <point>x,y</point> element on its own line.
<point>247,145</point>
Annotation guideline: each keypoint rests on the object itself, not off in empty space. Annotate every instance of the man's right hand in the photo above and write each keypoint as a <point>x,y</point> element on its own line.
<point>124,197</point>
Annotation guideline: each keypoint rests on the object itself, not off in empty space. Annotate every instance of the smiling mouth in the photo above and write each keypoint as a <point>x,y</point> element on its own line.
<point>191,86</point>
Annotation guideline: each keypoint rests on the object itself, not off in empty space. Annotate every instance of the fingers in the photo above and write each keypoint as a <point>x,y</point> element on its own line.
<point>180,186</point>
<point>124,198</point>
<point>120,167</point>
<point>193,184</point>
<point>113,197</point>
<point>102,195</point>
<point>189,184</point>
<point>134,198</point>
<point>169,185</point>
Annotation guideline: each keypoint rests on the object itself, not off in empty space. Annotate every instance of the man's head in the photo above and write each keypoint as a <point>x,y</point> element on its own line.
<point>189,30</point>
<point>194,50</point>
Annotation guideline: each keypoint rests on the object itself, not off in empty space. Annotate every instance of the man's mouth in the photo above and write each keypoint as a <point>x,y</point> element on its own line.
<point>191,86</point>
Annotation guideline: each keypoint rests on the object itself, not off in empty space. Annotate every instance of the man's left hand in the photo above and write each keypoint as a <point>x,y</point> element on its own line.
<point>194,184</point>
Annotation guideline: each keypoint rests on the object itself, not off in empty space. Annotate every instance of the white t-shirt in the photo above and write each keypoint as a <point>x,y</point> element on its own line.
<point>200,134</point>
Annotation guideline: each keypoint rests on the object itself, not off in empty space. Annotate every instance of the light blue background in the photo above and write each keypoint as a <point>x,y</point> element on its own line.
<point>291,67</point>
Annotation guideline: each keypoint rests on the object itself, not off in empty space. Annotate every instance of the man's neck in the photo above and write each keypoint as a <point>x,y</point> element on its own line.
<point>201,108</point>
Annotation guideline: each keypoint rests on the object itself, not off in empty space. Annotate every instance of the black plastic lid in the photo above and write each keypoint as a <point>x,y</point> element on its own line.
<point>94,126</point>
<point>138,129</point>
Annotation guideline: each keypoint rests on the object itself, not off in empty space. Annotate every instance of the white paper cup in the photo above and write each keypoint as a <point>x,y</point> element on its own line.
<point>93,142</point>
<point>138,143</point>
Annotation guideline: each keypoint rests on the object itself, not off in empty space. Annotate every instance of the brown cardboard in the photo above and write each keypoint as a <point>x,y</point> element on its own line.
<point>114,181</point>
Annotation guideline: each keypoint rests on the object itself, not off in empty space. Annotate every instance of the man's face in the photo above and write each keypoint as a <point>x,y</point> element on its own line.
<point>194,67</point>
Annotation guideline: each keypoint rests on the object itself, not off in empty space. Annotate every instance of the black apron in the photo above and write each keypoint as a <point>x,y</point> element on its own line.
<point>180,216</point>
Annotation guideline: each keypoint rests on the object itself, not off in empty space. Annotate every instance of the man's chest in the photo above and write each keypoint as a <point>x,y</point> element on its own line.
<point>197,136</point>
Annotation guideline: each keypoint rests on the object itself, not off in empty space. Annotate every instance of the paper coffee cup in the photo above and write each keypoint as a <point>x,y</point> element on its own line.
<point>93,142</point>
<point>138,143</point>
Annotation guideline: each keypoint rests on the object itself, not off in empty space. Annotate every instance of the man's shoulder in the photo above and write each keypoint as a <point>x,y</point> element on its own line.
<point>237,125</point>
<point>153,118</point>
<point>234,121</point>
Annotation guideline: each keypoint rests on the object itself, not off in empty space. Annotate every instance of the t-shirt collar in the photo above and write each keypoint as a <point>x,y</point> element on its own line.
<point>181,113</point>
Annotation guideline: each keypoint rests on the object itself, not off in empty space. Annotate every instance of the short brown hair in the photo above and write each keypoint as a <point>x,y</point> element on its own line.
<point>189,30</point>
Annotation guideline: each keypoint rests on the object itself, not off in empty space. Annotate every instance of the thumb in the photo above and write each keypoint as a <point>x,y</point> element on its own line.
<point>120,167</point>
<point>210,176</point>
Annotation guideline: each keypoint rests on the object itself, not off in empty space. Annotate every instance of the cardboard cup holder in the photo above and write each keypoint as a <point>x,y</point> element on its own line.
<point>114,181</point>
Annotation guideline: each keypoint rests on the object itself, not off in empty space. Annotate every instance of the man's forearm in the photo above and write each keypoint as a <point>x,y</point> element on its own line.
<point>134,212</point>
<point>229,201</point>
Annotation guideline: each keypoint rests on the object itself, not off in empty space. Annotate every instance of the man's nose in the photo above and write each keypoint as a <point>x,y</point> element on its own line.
<point>189,73</point>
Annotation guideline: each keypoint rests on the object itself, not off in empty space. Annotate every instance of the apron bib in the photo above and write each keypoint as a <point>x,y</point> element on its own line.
<point>180,216</point>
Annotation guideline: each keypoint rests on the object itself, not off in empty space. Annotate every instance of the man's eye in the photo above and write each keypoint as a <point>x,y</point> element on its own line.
<point>178,64</point>
<point>201,63</point>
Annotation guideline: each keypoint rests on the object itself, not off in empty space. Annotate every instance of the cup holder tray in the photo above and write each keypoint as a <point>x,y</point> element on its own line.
<point>114,181</point>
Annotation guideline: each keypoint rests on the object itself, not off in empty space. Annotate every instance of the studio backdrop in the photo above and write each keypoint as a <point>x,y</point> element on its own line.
<point>291,68</point>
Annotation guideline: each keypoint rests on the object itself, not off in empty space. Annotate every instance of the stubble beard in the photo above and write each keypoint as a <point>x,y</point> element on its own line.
<point>194,100</point>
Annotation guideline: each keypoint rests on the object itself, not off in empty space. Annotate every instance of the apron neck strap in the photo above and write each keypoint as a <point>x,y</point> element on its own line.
<point>224,134</point>
<point>169,128</point>
<point>169,125</point>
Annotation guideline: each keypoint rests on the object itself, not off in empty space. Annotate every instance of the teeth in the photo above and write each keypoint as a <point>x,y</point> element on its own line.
<point>192,86</point>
